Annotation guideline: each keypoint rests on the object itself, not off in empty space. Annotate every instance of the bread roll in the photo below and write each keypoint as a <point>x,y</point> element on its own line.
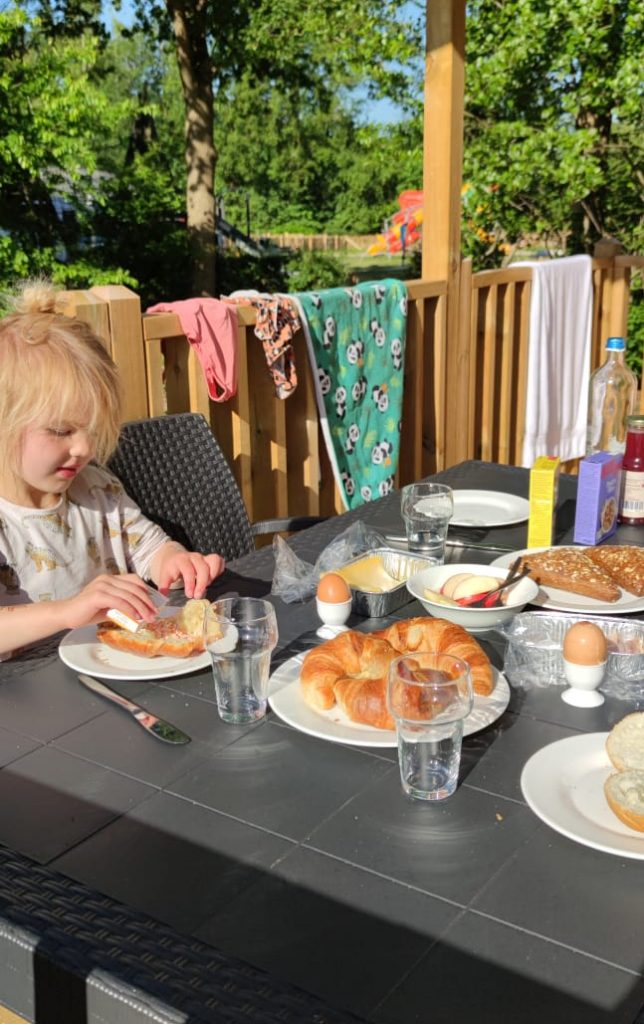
<point>625,742</point>
<point>624,792</point>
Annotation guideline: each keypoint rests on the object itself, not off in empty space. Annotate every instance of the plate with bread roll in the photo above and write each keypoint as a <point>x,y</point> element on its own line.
<point>605,579</point>
<point>590,788</point>
<point>171,645</point>
<point>337,690</point>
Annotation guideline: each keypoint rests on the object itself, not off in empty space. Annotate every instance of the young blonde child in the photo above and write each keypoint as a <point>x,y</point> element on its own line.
<point>72,543</point>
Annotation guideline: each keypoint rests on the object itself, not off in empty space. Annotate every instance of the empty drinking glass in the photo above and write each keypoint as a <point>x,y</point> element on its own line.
<point>429,695</point>
<point>427,509</point>
<point>241,633</point>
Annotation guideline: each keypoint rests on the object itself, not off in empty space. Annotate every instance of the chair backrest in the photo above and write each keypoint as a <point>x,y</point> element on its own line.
<point>175,471</point>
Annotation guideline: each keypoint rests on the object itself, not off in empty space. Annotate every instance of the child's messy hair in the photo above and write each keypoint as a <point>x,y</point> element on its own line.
<point>54,367</point>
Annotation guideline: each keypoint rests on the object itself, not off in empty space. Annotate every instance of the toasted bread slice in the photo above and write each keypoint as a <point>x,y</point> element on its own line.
<point>624,563</point>
<point>176,636</point>
<point>572,570</point>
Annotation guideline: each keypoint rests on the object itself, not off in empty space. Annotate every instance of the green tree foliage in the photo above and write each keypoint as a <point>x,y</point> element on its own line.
<point>290,48</point>
<point>554,121</point>
<point>51,112</point>
<point>554,131</point>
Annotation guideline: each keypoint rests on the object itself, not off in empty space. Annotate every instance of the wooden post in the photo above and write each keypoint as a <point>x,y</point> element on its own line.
<point>443,171</point>
<point>92,310</point>
<point>127,346</point>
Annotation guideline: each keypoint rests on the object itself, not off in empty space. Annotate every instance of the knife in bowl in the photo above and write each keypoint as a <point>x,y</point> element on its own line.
<point>155,726</point>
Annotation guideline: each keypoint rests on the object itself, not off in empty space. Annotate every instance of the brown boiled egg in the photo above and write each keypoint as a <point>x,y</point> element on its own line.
<point>333,589</point>
<point>585,644</point>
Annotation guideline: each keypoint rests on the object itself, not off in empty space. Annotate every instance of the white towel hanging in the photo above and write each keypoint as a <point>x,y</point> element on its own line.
<point>561,316</point>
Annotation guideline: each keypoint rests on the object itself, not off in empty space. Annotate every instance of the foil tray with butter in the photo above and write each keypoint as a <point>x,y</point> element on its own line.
<point>534,655</point>
<point>377,579</point>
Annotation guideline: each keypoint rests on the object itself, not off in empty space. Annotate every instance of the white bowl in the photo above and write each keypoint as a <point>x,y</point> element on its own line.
<point>476,620</point>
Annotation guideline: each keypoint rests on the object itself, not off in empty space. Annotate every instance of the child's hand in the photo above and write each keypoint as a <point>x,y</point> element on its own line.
<point>128,593</point>
<point>197,571</point>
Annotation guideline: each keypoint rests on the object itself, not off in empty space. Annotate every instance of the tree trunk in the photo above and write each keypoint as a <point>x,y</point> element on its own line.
<point>190,30</point>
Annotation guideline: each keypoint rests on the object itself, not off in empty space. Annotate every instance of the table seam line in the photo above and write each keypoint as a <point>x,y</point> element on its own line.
<point>555,942</point>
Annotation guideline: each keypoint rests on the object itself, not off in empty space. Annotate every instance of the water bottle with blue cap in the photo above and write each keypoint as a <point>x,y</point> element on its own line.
<point>611,398</point>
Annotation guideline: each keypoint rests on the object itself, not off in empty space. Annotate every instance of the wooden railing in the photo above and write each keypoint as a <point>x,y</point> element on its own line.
<point>275,447</point>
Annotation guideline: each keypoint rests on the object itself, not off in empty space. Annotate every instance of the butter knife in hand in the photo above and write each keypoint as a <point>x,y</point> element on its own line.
<point>154,725</point>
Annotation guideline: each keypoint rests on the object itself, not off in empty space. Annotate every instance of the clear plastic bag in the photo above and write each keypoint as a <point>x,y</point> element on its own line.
<point>297,580</point>
<point>534,655</point>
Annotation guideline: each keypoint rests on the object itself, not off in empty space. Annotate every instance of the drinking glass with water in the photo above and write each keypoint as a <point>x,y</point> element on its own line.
<point>429,695</point>
<point>241,633</point>
<point>427,509</point>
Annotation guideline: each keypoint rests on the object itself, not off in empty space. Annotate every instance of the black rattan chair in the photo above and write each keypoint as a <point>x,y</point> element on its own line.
<point>69,954</point>
<point>174,469</point>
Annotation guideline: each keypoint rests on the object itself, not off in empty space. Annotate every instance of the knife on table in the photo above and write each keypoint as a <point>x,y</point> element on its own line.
<point>156,726</point>
<point>452,542</point>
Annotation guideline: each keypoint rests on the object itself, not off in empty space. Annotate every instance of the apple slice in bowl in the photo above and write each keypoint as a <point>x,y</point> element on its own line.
<point>439,587</point>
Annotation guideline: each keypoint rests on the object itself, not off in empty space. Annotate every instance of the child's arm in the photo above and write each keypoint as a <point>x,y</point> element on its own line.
<point>23,624</point>
<point>172,562</point>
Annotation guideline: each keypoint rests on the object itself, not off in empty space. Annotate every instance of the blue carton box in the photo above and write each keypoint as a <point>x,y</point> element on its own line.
<point>597,497</point>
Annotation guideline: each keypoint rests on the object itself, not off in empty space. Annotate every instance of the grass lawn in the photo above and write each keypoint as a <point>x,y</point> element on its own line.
<point>362,267</point>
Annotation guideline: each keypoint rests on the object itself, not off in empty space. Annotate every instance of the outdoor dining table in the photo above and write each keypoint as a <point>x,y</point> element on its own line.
<point>141,881</point>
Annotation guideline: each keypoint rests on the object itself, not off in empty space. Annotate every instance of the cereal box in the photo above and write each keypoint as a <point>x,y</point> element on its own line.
<point>597,497</point>
<point>544,486</point>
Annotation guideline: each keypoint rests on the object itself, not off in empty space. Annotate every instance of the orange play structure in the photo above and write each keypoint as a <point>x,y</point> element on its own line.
<point>411,215</point>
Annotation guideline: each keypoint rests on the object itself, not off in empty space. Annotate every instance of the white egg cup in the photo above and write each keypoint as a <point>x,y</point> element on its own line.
<point>583,681</point>
<point>334,614</point>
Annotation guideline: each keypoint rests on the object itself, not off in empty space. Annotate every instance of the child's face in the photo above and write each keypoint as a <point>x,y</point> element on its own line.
<point>52,455</point>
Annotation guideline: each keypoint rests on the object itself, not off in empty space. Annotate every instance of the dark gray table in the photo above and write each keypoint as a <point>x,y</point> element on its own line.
<point>264,846</point>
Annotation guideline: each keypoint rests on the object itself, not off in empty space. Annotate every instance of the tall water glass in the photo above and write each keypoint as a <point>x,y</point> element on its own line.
<point>427,509</point>
<point>241,633</point>
<point>429,695</point>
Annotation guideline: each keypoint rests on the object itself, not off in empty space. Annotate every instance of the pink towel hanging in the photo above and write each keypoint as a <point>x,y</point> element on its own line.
<point>211,328</point>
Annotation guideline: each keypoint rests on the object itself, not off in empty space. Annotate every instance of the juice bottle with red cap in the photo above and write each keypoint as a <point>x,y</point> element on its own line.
<point>631,509</point>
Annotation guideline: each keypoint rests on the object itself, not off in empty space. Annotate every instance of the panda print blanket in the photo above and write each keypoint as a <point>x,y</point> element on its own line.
<point>356,343</point>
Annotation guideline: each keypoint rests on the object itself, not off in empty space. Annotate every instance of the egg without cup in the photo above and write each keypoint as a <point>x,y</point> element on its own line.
<point>333,601</point>
<point>585,653</point>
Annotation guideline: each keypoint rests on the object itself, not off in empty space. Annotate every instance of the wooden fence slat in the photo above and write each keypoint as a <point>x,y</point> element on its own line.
<point>435,399</point>
<point>155,374</point>
<point>523,325</point>
<point>302,436</point>
<point>506,404</point>
<point>487,426</point>
<point>411,436</point>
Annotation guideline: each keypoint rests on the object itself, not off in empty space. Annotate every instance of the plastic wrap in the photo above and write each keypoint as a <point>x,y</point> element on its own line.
<point>534,652</point>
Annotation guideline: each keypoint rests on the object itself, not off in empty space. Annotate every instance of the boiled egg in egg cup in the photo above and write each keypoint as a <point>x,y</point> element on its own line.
<point>585,653</point>
<point>333,601</point>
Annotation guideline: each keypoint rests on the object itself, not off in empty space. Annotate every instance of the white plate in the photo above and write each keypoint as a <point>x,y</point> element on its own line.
<point>81,651</point>
<point>285,698</point>
<point>488,508</point>
<point>565,601</point>
<point>563,783</point>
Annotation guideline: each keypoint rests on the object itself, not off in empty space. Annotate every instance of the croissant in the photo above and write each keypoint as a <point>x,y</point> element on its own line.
<point>427,634</point>
<point>351,670</point>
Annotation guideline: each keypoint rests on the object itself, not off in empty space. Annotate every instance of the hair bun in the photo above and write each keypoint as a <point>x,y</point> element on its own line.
<point>36,297</point>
